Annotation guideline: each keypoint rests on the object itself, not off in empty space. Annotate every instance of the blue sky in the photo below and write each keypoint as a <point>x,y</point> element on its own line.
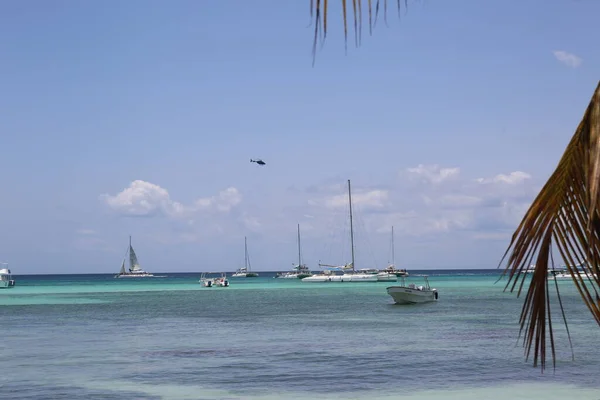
<point>140,118</point>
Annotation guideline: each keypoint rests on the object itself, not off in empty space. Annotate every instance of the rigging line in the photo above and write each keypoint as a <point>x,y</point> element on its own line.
<point>369,245</point>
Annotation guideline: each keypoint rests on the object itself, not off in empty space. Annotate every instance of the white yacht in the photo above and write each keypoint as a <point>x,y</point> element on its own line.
<point>6,280</point>
<point>299,271</point>
<point>349,273</point>
<point>245,271</point>
<point>135,271</point>
<point>412,294</point>
<point>207,281</point>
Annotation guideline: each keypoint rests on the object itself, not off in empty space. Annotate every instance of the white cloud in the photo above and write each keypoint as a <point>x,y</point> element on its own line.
<point>372,198</point>
<point>143,198</point>
<point>224,201</point>
<point>570,60</point>
<point>512,179</point>
<point>433,173</point>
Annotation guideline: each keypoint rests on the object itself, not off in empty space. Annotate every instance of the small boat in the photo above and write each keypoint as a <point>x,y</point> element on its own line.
<point>299,271</point>
<point>135,271</point>
<point>245,272</point>
<point>6,280</point>
<point>208,281</point>
<point>391,268</point>
<point>412,294</point>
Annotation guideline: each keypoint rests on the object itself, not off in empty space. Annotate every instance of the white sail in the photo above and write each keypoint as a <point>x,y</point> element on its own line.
<point>134,265</point>
<point>122,271</point>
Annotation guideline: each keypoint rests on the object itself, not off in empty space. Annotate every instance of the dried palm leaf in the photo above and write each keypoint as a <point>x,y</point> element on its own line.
<point>319,11</point>
<point>565,215</point>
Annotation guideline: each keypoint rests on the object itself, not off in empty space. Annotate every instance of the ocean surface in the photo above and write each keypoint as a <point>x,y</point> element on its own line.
<point>96,337</point>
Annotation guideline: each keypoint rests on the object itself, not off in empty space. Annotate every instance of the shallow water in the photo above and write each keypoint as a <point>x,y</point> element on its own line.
<point>92,336</point>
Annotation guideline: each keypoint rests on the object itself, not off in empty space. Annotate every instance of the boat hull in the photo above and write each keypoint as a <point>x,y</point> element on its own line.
<point>405,295</point>
<point>385,277</point>
<point>135,276</point>
<point>245,275</point>
<point>342,278</point>
<point>7,284</point>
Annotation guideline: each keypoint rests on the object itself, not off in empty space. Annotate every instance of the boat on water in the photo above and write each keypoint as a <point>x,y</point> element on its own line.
<point>300,270</point>
<point>134,271</point>
<point>219,281</point>
<point>565,274</point>
<point>382,276</point>
<point>412,294</point>
<point>246,270</point>
<point>6,279</point>
<point>348,272</point>
<point>391,268</point>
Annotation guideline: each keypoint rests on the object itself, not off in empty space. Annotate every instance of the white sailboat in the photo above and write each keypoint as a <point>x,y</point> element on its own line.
<point>391,269</point>
<point>349,273</point>
<point>135,271</point>
<point>299,271</point>
<point>245,272</point>
<point>6,279</point>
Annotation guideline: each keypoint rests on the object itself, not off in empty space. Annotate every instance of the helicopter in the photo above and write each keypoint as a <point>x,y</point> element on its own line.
<point>259,161</point>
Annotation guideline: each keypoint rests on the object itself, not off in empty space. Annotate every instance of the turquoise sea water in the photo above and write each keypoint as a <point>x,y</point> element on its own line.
<point>96,337</point>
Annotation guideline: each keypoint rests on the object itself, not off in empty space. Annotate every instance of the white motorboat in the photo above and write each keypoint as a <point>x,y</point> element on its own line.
<point>135,271</point>
<point>207,281</point>
<point>299,271</point>
<point>6,279</point>
<point>349,273</point>
<point>412,294</point>
<point>245,271</point>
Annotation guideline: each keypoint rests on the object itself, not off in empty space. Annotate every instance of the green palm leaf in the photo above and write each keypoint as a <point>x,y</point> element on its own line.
<point>565,215</point>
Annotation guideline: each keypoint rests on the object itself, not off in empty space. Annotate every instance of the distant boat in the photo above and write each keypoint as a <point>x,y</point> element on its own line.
<point>246,271</point>
<point>412,294</point>
<point>207,281</point>
<point>391,268</point>
<point>6,280</point>
<point>349,274</point>
<point>300,271</point>
<point>135,271</point>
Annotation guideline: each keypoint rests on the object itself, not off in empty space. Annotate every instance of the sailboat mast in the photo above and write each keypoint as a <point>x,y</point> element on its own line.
<point>299,257</point>
<point>245,253</point>
<point>351,227</point>
<point>393,252</point>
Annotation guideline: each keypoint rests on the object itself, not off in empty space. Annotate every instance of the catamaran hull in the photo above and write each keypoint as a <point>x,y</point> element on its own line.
<point>385,277</point>
<point>341,278</point>
<point>135,276</point>
<point>404,295</point>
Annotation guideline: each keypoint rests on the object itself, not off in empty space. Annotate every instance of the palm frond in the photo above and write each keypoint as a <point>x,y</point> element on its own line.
<point>319,10</point>
<point>565,215</point>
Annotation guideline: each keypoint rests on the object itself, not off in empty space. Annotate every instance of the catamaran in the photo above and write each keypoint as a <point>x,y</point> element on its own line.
<point>299,271</point>
<point>349,273</point>
<point>135,271</point>
<point>6,280</point>
<point>245,272</point>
